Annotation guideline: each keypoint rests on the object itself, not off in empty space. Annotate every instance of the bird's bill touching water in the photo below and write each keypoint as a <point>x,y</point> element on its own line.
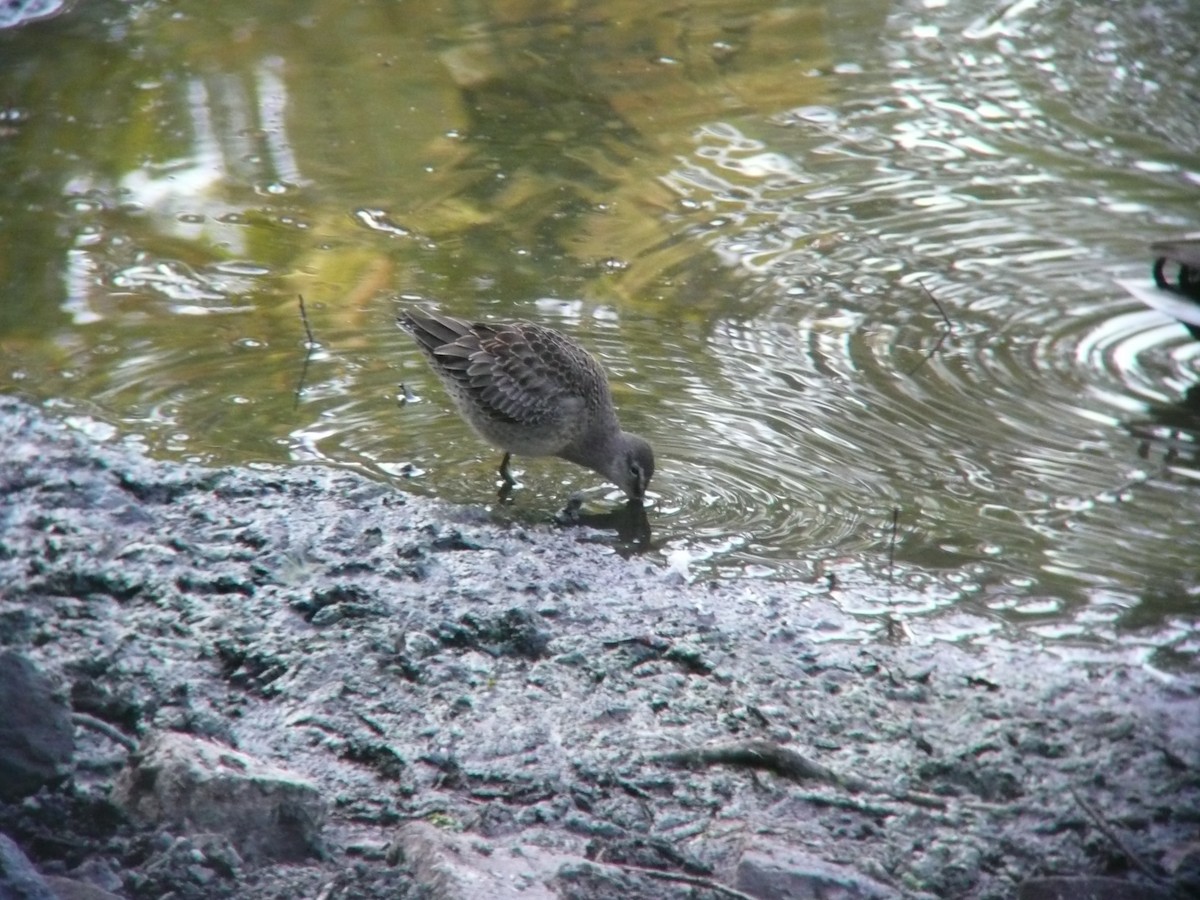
<point>636,467</point>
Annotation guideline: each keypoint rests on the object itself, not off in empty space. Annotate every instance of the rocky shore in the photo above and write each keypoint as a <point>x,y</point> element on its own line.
<point>294,682</point>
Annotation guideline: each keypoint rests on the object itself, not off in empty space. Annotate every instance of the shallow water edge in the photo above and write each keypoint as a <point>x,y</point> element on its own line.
<point>524,693</point>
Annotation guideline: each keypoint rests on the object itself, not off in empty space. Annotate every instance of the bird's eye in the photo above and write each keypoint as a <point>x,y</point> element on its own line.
<point>639,478</point>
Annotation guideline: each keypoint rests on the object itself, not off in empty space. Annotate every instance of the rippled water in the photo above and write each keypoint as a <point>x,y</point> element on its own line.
<point>844,264</point>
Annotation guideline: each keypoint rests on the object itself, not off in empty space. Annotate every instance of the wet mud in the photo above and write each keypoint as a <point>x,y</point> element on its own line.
<point>295,682</point>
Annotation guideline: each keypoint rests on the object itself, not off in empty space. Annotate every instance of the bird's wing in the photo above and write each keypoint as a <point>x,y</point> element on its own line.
<point>531,375</point>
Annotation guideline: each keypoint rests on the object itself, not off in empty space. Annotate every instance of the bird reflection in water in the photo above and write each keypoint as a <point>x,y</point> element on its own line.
<point>629,521</point>
<point>1173,429</point>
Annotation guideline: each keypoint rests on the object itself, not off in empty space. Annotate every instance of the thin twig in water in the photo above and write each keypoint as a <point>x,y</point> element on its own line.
<point>304,319</point>
<point>945,318</point>
<point>1075,510</point>
<point>892,545</point>
<point>1108,832</point>
<point>942,337</point>
<point>309,345</point>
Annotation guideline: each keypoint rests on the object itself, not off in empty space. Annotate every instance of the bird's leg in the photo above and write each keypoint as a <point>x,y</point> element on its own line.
<point>505,493</point>
<point>504,473</point>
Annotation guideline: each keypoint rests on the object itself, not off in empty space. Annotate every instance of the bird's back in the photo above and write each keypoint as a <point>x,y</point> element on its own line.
<point>524,386</point>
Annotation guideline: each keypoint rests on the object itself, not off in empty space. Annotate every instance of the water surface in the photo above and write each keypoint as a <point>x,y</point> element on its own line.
<point>845,263</point>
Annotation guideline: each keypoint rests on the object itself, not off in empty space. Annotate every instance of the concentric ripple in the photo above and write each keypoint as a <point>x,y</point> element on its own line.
<point>859,284</point>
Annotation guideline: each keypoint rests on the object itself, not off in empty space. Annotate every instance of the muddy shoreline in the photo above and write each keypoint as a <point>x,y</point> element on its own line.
<point>294,682</point>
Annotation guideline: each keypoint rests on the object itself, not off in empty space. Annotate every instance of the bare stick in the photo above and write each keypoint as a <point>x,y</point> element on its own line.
<point>304,319</point>
<point>1109,833</point>
<point>309,345</point>
<point>677,877</point>
<point>755,755</point>
<point>942,337</point>
<point>945,318</point>
<point>1127,485</point>
<point>102,727</point>
<point>892,545</point>
<point>787,764</point>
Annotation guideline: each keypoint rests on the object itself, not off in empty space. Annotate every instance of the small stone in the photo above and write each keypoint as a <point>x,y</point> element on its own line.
<point>202,787</point>
<point>419,645</point>
<point>453,867</point>
<point>774,871</point>
<point>71,889</point>
<point>19,880</point>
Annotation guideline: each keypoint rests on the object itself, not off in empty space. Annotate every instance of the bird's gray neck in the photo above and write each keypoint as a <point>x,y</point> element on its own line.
<point>599,449</point>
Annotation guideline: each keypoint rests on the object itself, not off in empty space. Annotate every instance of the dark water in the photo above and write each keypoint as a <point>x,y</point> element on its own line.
<point>840,260</point>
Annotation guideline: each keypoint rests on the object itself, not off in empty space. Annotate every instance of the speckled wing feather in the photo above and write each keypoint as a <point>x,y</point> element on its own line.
<point>431,330</point>
<point>518,373</point>
<point>535,376</point>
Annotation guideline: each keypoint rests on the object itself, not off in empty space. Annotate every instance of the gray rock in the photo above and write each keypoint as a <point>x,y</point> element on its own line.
<point>1088,888</point>
<point>98,872</point>
<point>37,739</point>
<point>475,726</point>
<point>201,787</point>
<point>454,867</point>
<point>22,12</point>
<point>776,872</point>
<point>70,889</point>
<point>19,880</point>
